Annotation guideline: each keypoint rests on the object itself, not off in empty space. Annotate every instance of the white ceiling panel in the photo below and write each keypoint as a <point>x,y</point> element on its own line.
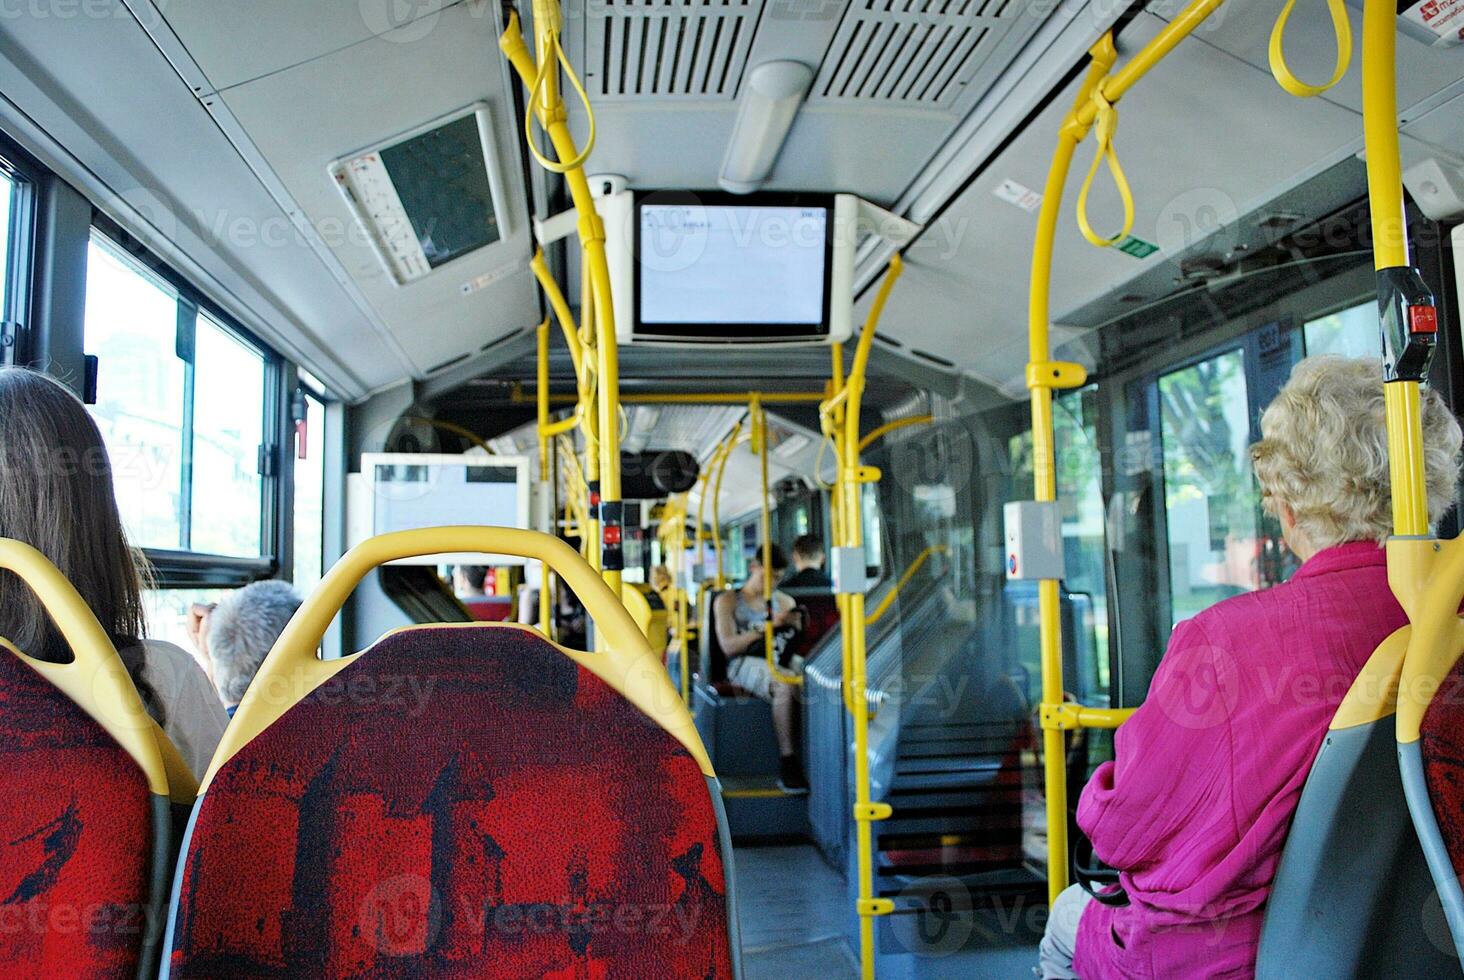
<point>1442,126</point>
<point>150,155</point>
<point>664,78</point>
<point>304,118</point>
<point>1244,32</point>
<point>964,296</point>
<point>238,40</point>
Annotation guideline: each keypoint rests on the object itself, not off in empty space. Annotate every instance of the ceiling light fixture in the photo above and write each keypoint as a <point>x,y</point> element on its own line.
<point>771,95</point>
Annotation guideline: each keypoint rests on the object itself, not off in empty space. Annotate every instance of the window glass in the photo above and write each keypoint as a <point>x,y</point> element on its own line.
<point>228,429</point>
<point>310,498</point>
<point>1352,332</point>
<point>167,612</point>
<point>1210,498</point>
<point>131,326</point>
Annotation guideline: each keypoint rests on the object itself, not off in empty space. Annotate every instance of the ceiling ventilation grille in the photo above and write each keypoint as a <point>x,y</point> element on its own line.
<point>687,48</point>
<point>911,52</point>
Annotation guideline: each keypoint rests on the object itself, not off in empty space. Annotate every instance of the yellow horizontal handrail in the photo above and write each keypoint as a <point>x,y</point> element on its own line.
<point>887,428</point>
<point>1067,716</point>
<point>519,396</point>
<point>889,600</point>
<point>454,428</point>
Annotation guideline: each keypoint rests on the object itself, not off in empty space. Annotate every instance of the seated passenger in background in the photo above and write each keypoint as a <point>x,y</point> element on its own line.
<point>469,583</point>
<point>56,495</point>
<point>235,636</point>
<point>739,616</point>
<point>808,563</point>
<point>1195,808</point>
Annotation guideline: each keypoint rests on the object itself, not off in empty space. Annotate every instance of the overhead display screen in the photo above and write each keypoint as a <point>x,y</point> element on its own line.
<point>707,267</point>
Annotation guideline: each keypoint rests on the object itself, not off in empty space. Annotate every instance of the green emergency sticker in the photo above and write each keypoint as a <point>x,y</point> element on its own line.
<point>1137,247</point>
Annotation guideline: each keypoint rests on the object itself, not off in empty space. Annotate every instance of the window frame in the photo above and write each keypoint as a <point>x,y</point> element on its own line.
<point>29,179</point>
<point>182,569</point>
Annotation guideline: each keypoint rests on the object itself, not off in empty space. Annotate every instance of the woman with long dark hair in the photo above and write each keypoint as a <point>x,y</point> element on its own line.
<point>56,495</point>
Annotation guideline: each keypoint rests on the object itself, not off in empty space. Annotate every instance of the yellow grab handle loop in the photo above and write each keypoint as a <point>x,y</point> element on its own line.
<point>1105,125</point>
<point>1341,29</point>
<point>551,64</point>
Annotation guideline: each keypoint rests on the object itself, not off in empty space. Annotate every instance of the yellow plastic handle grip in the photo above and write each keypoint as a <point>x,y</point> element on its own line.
<point>1341,29</point>
<point>1105,127</point>
<point>95,679</point>
<point>303,634</point>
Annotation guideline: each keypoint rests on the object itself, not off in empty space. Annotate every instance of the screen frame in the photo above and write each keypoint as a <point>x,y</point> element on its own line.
<point>725,333</point>
<point>520,464</point>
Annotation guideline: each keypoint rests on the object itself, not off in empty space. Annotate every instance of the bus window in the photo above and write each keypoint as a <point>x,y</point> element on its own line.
<point>310,499</point>
<point>132,327</point>
<point>1352,332</point>
<point>228,429</point>
<point>1210,499</point>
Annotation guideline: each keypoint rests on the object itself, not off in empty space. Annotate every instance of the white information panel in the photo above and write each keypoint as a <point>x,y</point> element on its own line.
<point>416,490</point>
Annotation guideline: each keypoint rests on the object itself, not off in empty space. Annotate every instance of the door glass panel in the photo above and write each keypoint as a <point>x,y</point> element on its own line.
<point>1210,500</point>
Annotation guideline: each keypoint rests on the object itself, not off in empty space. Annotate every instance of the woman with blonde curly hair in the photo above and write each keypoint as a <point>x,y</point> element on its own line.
<point>1194,809</point>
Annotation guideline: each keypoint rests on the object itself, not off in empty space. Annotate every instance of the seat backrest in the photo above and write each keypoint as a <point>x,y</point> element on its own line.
<point>85,815</point>
<point>466,800</point>
<point>1349,894</point>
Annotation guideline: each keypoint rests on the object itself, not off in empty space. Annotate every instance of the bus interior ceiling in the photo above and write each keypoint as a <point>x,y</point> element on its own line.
<point>1250,212</point>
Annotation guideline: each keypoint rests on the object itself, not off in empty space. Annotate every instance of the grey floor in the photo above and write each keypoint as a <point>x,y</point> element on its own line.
<point>791,907</point>
<point>791,910</point>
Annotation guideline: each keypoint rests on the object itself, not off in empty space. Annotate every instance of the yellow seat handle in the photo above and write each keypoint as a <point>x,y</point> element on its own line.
<point>625,662</point>
<point>1281,71</point>
<point>95,679</point>
<point>302,636</point>
<point>1105,126</point>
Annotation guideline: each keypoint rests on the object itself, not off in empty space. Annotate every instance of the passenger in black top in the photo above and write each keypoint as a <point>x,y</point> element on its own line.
<point>808,563</point>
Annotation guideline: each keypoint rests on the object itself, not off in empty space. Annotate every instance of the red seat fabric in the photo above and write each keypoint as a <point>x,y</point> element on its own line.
<point>76,832</point>
<point>1442,748</point>
<point>459,802</point>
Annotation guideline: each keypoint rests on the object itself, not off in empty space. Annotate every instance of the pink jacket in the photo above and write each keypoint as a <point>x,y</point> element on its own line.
<point>1195,809</point>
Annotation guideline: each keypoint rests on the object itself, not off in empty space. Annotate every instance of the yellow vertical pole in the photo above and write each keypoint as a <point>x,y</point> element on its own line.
<point>760,447</point>
<point>851,476</point>
<point>727,448</point>
<point>1042,377</point>
<point>1400,289</point>
<point>541,76</point>
<point>545,475</point>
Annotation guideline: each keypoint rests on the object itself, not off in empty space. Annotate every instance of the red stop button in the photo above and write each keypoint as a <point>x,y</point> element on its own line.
<point>1423,319</point>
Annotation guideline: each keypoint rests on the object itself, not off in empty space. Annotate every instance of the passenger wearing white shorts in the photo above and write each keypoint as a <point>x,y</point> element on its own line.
<point>740,615</point>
